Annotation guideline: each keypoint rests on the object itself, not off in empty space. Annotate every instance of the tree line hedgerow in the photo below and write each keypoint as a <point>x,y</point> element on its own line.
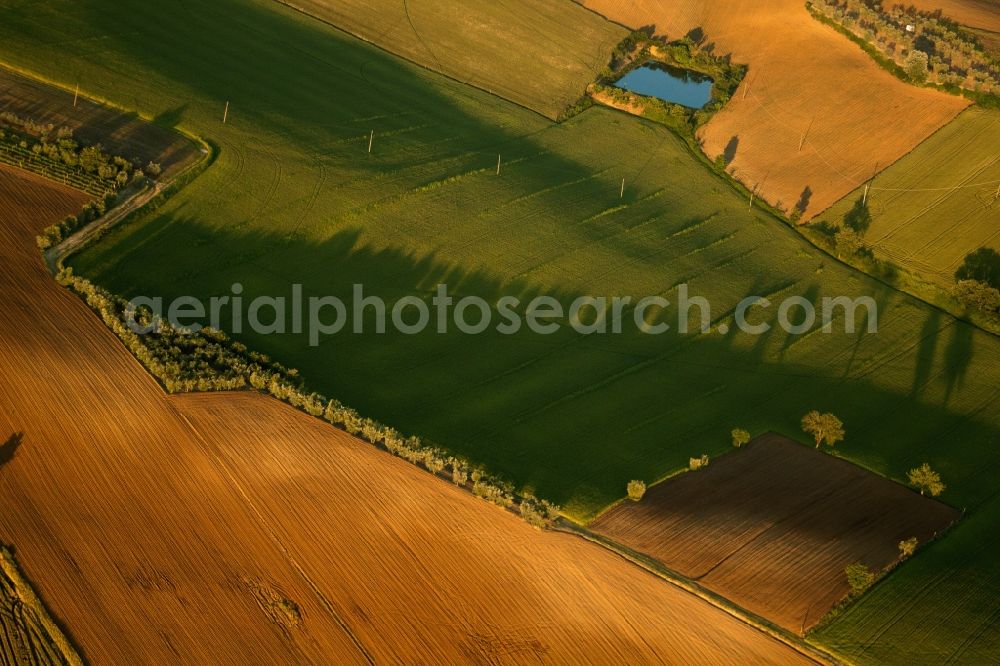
<point>917,46</point>
<point>209,360</point>
<point>53,152</point>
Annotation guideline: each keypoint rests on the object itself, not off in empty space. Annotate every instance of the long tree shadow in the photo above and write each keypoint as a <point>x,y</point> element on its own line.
<point>9,448</point>
<point>571,416</point>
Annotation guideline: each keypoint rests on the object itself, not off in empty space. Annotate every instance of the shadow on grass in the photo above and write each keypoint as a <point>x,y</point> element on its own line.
<point>569,416</point>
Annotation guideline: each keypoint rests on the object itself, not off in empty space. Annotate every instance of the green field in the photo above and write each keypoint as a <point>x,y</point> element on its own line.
<point>541,54</point>
<point>939,203</point>
<point>295,197</point>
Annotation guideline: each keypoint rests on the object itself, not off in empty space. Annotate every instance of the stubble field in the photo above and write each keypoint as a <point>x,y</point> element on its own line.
<point>234,529</point>
<point>815,115</point>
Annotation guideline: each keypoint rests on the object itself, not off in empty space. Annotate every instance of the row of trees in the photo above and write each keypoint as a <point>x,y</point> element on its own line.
<point>824,428</point>
<point>209,360</point>
<point>925,46</point>
<point>54,234</point>
<point>642,46</point>
<point>55,153</point>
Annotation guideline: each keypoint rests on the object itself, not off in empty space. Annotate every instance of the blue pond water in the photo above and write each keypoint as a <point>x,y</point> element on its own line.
<point>671,84</point>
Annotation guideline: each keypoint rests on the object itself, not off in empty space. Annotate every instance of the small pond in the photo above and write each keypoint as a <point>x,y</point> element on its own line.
<point>671,84</point>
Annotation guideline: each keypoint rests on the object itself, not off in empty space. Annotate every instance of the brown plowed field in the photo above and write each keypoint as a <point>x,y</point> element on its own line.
<point>772,527</point>
<point>233,529</point>
<point>804,79</point>
<point>121,134</point>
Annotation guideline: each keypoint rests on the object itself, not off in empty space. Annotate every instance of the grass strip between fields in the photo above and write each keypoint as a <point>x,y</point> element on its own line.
<point>27,595</point>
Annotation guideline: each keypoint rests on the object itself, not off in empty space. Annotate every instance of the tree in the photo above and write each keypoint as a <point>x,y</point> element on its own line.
<point>859,577</point>
<point>636,489</point>
<point>848,243</point>
<point>824,428</point>
<point>926,480</point>
<point>698,463</point>
<point>977,296</point>
<point>907,547</point>
<point>983,265</point>
<point>916,66</point>
<point>740,437</point>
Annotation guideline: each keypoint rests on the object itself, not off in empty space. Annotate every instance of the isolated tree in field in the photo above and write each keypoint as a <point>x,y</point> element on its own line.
<point>859,577</point>
<point>636,489</point>
<point>740,437</point>
<point>907,547</point>
<point>983,265</point>
<point>926,480</point>
<point>824,428</point>
<point>978,296</point>
<point>848,242</point>
<point>916,65</point>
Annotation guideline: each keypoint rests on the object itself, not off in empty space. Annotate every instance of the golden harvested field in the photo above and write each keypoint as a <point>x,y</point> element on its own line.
<point>233,529</point>
<point>121,134</point>
<point>807,85</point>
<point>541,55</point>
<point>772,527</point>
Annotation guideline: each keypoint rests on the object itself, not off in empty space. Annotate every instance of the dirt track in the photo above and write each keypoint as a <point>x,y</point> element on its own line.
<point>807,85</point>
<point>772,527</point>
<point>185,530</point>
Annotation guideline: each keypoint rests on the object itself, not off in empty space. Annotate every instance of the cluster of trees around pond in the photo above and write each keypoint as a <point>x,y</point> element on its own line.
<point>926,46</point>
<point>689,53</point>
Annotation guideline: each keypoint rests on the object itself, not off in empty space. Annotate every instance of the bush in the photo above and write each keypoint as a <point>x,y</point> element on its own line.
<point>859,577</point>
<point>848,243</point>
<point>926,480</point>
<point>636,489</point>
<point>459,473</point>
<point>976,295</point>
<point>907,548</point>
<point>492,493</point>
<point>533,512</point>
<point>695,464</point>
<point>433,463</point>
<point>740,437</point>
<point>552,511</point>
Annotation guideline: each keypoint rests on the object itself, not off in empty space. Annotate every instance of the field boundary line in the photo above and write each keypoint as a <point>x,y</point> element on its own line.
<point>288,4</point>
<point>658,569</point>
<point>140,203</point>
<point>29,598</point>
